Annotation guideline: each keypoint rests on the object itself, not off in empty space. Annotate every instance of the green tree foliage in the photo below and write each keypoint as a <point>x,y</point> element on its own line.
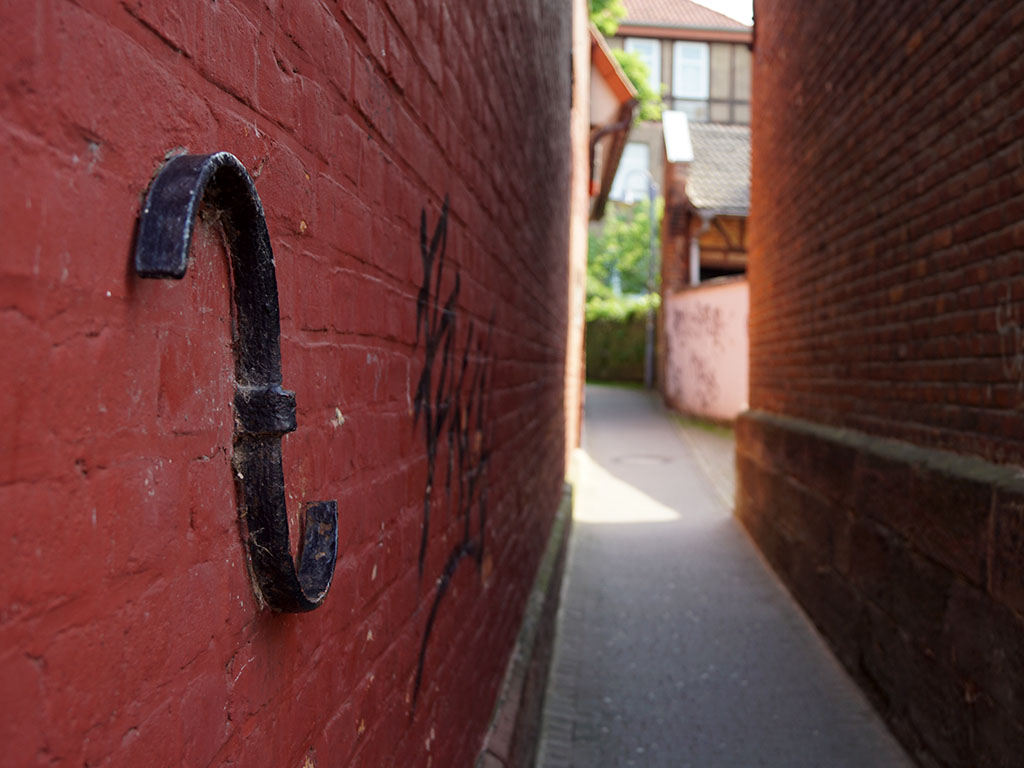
<point>640,76</point>
<point>606,15</point>
<point>615,347</point>
<point>621,309</point>
<point>622,248</point>
<point>616,324</point>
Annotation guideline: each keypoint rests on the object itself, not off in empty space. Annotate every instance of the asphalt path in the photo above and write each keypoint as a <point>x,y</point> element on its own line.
<point>676,645</point>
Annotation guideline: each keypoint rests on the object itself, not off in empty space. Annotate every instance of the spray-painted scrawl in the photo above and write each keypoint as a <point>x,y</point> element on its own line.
<point>450,404</point>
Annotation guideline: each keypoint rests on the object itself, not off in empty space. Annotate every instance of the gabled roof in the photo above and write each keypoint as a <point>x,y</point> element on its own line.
<point>607,66</point>
<point>678,13</point>
<point>718,179</point>
<point>611,118</point>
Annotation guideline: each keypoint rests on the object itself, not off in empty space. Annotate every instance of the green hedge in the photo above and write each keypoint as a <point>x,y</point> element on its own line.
<point>615,348</point>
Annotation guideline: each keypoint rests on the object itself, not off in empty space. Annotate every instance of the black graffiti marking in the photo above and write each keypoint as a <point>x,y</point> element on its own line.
<point>451,404</point>
<point>702,319</point>
<point>437,326</point>
<point>706,321</point>
<point>264,411</point>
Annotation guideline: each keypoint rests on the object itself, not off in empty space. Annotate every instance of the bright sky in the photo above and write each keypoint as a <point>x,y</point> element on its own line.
<point>741,10</point>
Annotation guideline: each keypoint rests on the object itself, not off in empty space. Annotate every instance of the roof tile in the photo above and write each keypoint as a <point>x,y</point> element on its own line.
<point>678,13</point>
<point>719,177</point>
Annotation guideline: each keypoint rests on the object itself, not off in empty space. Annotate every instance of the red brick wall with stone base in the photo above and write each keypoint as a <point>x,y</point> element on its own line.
<point>878,467</point>
<point>909,561</point>
<point>129,630</point>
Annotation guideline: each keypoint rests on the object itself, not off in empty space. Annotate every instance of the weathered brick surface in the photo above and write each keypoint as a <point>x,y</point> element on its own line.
<point>887,352</point>
<point>887,195</point>
<point>129,634</point>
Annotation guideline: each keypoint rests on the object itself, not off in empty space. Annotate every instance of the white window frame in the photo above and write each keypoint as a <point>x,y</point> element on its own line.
<point>649,51</point>
<point>695,56</point>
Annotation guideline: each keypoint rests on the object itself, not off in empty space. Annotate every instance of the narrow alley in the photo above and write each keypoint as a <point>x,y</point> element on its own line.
<point>676,645</point>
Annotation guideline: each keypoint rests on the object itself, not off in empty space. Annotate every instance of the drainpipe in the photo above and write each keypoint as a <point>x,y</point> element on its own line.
<point>599,133</point>
<point>619,130</point>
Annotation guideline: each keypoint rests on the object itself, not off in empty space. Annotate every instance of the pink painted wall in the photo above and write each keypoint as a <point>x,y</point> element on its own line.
<point>706,363</point>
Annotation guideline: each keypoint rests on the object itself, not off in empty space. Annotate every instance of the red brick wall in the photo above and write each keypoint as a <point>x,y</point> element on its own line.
<point>129,634</point>
<point>876,469</point>
<point>888,196</point>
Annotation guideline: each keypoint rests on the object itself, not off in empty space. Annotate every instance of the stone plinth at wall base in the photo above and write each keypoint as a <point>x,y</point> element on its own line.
<point>515,725</point>
<point>910,561</point>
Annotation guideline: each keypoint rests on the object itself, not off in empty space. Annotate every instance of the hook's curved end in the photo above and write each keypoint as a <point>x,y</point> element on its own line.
<point>165,224</point>
<point>283,587</point>
<point>319,552</point>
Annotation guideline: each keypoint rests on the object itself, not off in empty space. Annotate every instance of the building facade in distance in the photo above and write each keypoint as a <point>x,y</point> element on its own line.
<point>698,59</point>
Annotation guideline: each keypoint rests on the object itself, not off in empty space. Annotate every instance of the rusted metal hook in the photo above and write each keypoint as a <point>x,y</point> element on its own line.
<point>264,412</point>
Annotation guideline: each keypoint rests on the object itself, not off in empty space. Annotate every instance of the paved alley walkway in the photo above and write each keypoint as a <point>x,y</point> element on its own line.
<point>676,645</point>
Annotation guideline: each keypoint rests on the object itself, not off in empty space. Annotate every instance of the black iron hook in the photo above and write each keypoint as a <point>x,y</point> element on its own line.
<point>264,412</point>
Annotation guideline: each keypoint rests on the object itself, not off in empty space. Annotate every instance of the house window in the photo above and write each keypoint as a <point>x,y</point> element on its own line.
<point>690,79</point>
<point>630,182</point>
<point>649,52</point>
<point>690,70</point>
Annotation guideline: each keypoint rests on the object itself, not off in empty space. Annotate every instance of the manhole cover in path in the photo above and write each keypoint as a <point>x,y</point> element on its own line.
<point>642,458</point>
